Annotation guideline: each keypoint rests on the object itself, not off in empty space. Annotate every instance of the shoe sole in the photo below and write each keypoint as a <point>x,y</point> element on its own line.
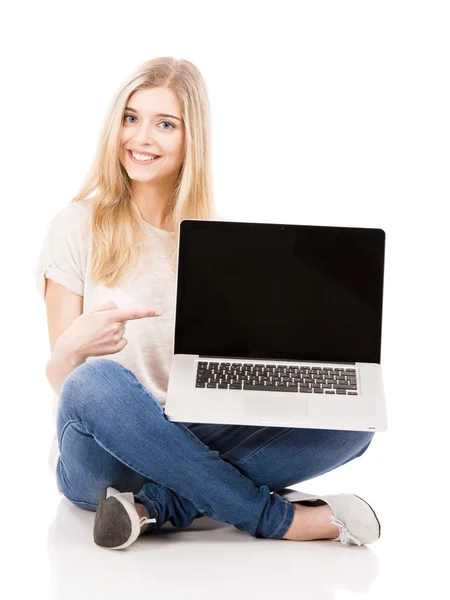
<point>115,521</point>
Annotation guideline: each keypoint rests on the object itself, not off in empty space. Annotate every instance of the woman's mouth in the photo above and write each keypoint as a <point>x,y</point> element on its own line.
<point>142,162</point>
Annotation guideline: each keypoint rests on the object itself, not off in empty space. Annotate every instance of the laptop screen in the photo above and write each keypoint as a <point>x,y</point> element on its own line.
<point>279,292</point>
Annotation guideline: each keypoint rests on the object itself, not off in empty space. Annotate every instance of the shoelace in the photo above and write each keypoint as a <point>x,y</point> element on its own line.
<point>144,520</point>
<point>344,534</point>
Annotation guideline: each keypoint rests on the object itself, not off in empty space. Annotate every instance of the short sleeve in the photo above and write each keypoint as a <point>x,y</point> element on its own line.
<point>60,258</point>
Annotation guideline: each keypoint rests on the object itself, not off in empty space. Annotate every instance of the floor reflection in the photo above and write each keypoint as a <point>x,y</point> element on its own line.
<point>208,558</point>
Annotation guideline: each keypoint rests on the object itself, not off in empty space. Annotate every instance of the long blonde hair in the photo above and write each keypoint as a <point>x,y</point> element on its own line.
<point>118,235</point>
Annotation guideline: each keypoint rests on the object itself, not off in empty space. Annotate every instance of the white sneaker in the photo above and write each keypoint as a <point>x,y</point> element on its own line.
<point>357,522</point>
<point>117,523</point>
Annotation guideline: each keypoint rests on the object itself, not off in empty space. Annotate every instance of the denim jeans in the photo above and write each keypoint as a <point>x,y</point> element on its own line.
<point>113,432</point>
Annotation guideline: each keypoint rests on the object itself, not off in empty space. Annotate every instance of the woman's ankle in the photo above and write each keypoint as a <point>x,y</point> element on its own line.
<point>142,512</point>
<point>311,523</point>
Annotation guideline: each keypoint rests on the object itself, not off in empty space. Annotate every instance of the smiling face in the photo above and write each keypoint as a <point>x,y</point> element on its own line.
<point>152,124</point>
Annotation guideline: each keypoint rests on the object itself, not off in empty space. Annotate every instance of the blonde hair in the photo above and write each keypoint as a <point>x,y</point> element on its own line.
<point>118,234</point>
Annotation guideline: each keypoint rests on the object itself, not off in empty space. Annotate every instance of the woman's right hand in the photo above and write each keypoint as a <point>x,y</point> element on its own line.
<point>99,331</point>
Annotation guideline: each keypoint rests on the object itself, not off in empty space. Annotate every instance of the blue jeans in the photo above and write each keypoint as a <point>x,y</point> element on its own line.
<point>113,432</point>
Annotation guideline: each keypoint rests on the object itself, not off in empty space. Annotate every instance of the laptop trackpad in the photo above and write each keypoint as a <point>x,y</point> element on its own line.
<point>288,407</point>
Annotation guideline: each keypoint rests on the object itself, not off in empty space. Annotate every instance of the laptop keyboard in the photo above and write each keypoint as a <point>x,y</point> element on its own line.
<point>276,378</point>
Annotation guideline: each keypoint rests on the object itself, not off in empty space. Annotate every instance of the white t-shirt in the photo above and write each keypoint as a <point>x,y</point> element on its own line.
<point>65,257</point>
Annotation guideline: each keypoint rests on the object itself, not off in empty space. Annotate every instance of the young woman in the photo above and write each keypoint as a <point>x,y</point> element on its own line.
<point>108,262</point>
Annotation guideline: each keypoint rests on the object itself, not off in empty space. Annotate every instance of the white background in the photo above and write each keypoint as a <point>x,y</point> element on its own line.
<point>323,113</point>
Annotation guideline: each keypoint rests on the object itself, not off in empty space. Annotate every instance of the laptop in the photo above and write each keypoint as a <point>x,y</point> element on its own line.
<point>278,325</point>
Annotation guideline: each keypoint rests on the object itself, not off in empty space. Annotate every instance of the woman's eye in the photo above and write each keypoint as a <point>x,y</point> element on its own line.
<point>168,122</point>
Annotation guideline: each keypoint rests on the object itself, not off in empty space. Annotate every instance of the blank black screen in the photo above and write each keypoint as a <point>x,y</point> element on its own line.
<point>272,291</point>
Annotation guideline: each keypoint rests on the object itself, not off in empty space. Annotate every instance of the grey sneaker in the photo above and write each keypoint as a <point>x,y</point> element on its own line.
<point>117,523</point>
<point>357,522</point>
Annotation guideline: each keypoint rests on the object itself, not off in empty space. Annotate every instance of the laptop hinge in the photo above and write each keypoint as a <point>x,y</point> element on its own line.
<point>331,362</point>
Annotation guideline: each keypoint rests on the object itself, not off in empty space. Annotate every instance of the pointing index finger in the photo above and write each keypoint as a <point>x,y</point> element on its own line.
<point>128,314</point>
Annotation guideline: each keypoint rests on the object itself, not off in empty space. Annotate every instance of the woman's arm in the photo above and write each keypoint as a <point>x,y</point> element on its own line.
<point>63,307</point>
<point>59,367</point>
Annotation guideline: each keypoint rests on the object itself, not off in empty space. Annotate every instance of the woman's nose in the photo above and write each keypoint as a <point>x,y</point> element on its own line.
<point>144,133</point>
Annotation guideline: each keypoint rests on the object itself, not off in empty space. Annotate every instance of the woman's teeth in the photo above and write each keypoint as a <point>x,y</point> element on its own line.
<point>143,157</point>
